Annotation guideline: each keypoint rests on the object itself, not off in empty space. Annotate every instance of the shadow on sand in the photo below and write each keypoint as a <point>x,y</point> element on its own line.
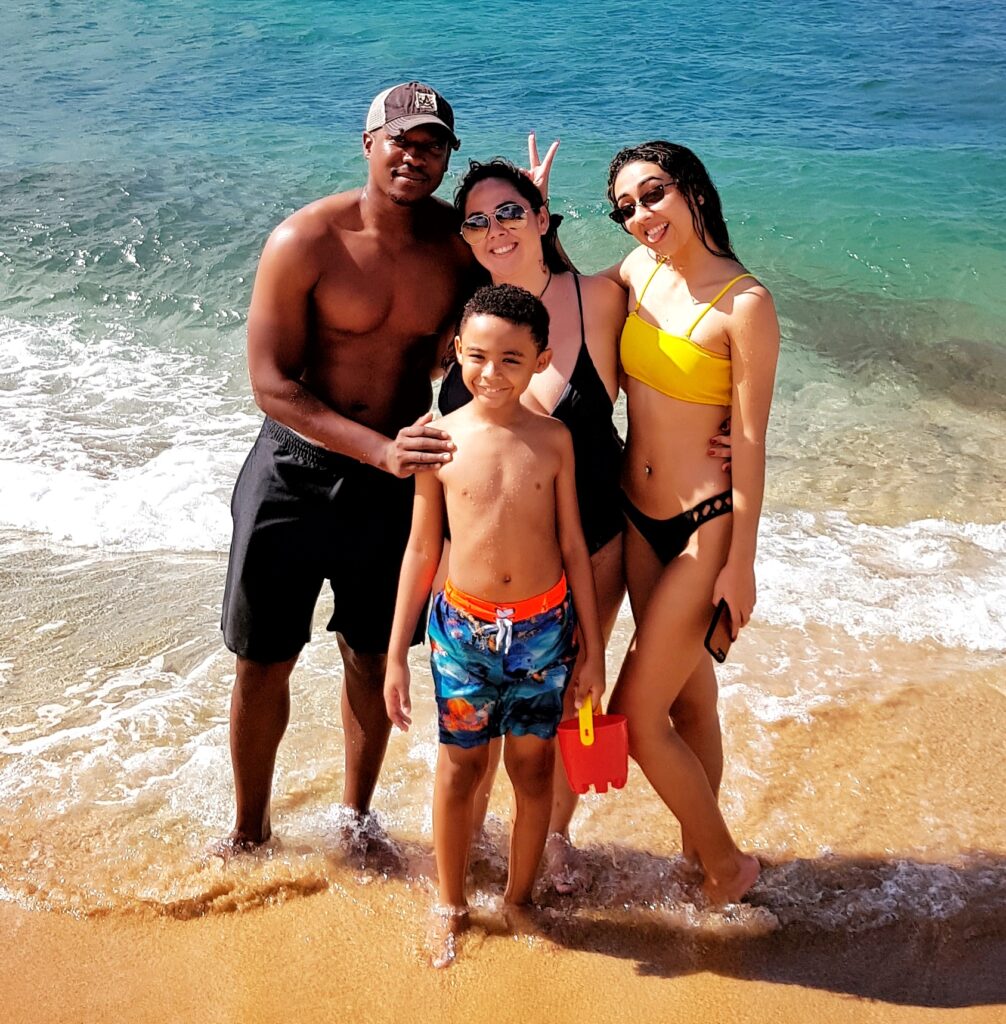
<point>908,932</point>
<point>905,932</point>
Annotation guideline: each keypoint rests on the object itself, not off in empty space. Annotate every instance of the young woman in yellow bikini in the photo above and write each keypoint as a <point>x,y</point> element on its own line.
<point>700,343</point>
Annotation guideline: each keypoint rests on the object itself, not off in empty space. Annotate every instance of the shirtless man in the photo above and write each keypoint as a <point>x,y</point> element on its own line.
<point>352,303</point>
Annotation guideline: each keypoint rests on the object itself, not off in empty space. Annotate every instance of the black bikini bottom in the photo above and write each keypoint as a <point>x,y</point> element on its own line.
<point>669,537</point>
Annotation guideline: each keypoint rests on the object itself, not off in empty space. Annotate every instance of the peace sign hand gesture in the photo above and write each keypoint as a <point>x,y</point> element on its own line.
<point>538,169</point>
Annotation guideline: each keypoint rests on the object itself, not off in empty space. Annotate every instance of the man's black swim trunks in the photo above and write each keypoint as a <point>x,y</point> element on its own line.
<point>302,515</point>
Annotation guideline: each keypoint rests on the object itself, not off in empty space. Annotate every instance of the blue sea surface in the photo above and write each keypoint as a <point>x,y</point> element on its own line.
<point>859,144</point>
<point>860,149</point>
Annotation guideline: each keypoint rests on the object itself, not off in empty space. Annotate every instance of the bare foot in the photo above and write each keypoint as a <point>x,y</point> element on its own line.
<point>383,854</point>
<point>521,919</point>
<point>234,844</point>
<point>448,924</point>
<point>731,888</point>
<point>365,843</point>
<point>564,867</point>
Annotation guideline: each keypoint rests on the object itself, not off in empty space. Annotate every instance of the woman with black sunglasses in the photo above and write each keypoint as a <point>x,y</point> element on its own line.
<point>700,343</point>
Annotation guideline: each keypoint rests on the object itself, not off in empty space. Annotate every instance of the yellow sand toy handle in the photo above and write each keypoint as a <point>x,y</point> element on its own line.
<point>587,724</point>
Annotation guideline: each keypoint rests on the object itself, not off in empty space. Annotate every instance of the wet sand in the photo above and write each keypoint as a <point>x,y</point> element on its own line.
<point>330,957</point>
<point>354,950</point>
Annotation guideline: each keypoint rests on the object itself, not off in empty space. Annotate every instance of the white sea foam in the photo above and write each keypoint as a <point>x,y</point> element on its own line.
<point>113,444</point>
<point>926,580</point>
<point>179,500</point>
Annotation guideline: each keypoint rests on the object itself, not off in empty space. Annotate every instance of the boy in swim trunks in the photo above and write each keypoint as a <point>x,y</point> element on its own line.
<point>503,633</point>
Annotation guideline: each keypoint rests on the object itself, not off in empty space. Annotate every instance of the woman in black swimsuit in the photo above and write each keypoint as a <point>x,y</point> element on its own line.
<point>507,225</point>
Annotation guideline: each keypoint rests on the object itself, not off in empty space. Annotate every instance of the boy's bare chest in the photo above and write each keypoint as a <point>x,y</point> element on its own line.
<point>485,475</point>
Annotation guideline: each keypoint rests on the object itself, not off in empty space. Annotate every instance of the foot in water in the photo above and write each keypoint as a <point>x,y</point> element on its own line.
<point>521,918</point>
<point>365,843</point>
<point>448,924</point>
<point>236,843</point>
<point>564,866</point>
<point>690,864</point>
<point>732,888</point>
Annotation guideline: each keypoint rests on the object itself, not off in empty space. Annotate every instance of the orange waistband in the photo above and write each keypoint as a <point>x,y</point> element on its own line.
<point>489,612</point>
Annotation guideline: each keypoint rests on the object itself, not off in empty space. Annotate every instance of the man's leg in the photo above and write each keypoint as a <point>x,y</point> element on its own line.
<point>260,710</point>
<point>365,724</point>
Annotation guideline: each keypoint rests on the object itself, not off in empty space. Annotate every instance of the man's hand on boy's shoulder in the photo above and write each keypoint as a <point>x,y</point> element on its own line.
<point>589,682</point>
<point>397,702</point>
<point>417,448</point>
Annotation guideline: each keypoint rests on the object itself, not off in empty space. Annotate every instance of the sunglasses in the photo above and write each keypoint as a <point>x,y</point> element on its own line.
<point>624,213</point>
<point>507,215</point>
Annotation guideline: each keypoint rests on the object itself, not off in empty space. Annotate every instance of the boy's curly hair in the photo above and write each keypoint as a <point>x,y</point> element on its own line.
<point>513,304</point>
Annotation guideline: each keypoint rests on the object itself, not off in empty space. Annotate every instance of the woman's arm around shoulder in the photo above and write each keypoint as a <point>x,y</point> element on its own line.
<point>603,317</point>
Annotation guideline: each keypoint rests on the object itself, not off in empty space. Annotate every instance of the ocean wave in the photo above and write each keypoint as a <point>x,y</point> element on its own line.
<point>926,580</point>
<point>176,501</point>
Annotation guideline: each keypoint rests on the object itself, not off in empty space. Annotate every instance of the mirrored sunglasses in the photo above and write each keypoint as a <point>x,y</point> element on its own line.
<point>507,215</point>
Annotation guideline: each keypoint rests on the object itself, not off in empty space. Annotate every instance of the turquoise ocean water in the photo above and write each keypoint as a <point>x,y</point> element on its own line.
<point>147,149</point>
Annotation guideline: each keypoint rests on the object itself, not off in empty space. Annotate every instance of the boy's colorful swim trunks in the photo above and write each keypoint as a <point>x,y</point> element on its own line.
<point>500,670</point>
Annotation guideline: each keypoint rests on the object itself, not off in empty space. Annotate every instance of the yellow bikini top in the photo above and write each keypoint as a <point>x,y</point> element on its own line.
<point>673,364</point>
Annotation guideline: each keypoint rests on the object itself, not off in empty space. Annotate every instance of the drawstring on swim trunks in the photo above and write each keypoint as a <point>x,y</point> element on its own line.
<point>504,629</point>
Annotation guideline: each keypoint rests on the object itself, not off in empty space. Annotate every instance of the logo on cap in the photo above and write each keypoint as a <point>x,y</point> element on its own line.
<point>408,106</point>
<point>426,103</point>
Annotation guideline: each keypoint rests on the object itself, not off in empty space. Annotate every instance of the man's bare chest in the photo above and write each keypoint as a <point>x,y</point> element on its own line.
<point>408,294</point>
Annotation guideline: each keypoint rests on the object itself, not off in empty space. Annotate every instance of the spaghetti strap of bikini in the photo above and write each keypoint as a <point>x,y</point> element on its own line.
<point>645,286</point>
<point>719,295</point>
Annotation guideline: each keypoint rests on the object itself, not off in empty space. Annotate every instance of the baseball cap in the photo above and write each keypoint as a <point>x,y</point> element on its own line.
<point>409,105</point>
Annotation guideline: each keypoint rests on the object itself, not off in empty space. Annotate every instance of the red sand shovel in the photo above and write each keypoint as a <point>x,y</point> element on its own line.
<point>595,750</point>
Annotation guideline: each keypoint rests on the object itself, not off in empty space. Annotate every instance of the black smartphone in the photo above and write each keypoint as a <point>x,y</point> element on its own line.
<point>718,634</point>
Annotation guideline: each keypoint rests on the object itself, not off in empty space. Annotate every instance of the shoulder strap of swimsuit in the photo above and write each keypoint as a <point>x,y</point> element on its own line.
<point>579,304</point>
<point>645,286</point>
<point>719,295</point>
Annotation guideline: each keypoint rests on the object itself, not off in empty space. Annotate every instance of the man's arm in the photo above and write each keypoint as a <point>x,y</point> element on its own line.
<point>580,577</point>
<point>419,566</point>
<point>278,335</point>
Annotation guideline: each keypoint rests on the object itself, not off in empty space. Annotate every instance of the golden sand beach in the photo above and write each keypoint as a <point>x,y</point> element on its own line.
<point>878,817</point>
<point>331,957</point>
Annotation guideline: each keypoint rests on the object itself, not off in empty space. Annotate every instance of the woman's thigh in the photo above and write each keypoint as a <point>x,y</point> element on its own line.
<point>676,610</point>
<point>642,570</point>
